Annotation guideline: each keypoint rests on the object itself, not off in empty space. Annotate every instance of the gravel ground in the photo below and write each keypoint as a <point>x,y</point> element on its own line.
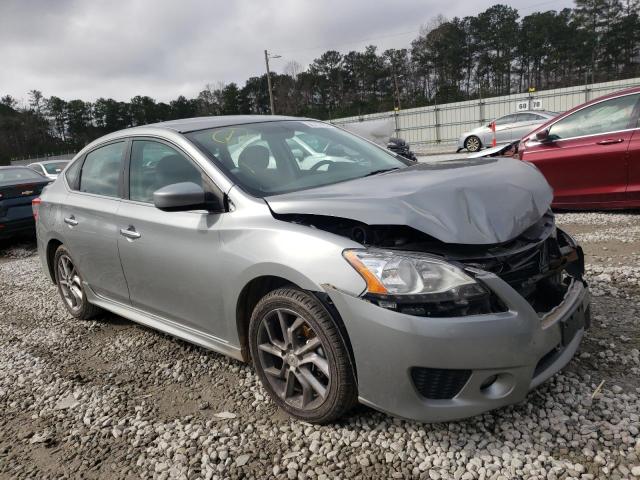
<point>111,399</point>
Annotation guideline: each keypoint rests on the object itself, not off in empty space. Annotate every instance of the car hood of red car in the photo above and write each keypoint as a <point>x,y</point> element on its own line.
<point>463,201</point>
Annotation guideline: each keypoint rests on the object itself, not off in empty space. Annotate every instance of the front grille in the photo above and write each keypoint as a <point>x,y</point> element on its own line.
<point>538,273</point>
<point>439,383</point>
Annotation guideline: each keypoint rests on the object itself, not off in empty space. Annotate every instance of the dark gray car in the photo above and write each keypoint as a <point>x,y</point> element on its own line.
<point>429,291</point>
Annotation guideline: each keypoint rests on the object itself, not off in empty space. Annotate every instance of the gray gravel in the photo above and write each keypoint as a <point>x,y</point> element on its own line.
<point>110,399</point>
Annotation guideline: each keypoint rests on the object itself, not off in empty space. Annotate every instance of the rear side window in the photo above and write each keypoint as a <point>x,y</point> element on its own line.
<point>36,167</point>
<point>73,174</point>
<point>54,168</point>
<point>155,165</point>
<point>608,116</point>
<point>529,117</point>
<point>101,170</point>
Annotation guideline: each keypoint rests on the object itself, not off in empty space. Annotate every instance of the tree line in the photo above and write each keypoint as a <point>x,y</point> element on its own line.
<point>496,52</point>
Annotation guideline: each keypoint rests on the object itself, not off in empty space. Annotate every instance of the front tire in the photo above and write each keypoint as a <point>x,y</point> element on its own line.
<point>70,286</point>
<point>472,143</point>
<point>300,356</point>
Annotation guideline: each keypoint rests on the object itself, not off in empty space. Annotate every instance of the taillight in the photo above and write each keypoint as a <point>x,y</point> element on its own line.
<point>35,206</point>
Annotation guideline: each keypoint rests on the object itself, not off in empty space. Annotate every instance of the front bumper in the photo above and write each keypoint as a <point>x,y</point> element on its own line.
<point>516,348</point>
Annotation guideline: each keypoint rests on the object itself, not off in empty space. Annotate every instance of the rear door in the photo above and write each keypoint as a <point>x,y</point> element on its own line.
<point>89,214</point>
<point>586,159</point>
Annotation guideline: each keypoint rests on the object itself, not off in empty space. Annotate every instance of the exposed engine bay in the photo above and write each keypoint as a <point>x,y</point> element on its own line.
<point>540,263</point>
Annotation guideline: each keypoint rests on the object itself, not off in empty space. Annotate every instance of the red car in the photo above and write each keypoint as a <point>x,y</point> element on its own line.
<point>591,154</point>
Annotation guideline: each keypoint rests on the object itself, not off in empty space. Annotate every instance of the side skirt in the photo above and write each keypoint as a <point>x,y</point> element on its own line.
<point>189,334</point>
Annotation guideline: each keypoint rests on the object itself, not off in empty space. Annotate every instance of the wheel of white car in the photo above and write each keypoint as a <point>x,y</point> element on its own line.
<point>472,143</point>
<point>300,356</point>
<point>70,286</point>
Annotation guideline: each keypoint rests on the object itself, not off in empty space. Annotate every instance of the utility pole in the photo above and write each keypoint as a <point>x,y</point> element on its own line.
<point>396,112</point>
<point>395,81</point>
<point>266,61</point>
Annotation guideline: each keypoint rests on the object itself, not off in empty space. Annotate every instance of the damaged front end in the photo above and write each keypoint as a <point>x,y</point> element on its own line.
<point>540,264</point>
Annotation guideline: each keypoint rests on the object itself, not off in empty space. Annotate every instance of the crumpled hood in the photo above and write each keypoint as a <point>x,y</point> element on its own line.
<point>468,201</point>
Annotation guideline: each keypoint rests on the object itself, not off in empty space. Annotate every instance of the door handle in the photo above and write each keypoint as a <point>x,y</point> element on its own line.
<point>610,141</point>
<point>130,233</point>
<point>71,221</point>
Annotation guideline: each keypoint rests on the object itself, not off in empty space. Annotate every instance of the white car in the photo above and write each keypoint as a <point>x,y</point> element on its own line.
<point>509,128</point>
<point>49,168</point>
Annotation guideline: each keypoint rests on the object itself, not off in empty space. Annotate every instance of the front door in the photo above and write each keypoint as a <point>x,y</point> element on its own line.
<point>170,259</point>
<point>91,227</point>
<point>585,160</point>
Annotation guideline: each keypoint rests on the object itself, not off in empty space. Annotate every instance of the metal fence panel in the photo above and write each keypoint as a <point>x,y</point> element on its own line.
<point>443,124</point>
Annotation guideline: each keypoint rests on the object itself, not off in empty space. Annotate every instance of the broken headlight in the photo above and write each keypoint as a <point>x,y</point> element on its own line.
<point>411,274</point>
<point>419,284</point>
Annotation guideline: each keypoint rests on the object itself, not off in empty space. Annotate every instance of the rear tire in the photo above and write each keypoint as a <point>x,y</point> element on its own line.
<point>472,143</point>
<point>300,356</point>
<point>70,286</point>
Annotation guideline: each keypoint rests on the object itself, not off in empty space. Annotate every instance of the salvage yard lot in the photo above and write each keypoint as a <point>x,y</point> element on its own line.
<point>111,399</point>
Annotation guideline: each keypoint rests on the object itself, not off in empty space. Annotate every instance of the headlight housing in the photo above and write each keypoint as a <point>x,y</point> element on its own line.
<point>423,284</point>
<point>395,273</point>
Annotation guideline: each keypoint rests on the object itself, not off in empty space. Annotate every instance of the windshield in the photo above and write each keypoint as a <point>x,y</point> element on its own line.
<point>19,174</point>
<point>54,168</point>
<point>277,157</point>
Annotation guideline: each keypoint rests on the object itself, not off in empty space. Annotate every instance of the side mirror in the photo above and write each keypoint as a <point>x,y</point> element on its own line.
<point>184,196</point>
<point>543,136</point>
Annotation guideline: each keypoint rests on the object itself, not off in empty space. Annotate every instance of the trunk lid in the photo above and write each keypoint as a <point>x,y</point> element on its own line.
<point>26,190</point>
<point>466,201</point>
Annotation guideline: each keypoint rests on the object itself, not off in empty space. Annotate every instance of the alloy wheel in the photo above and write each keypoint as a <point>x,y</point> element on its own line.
<point>293,358</point>
<point>473,144</point>
<point>70,283</point>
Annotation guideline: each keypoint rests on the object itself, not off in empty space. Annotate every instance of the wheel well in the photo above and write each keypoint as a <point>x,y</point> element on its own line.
<point>52,246</point>
<point>258,288</point>
<point>248,299</point>
<point>479,139</point>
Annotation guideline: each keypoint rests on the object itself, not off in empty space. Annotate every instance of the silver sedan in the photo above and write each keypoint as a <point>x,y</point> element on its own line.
<point>429,291</point>
<point>509,128</point>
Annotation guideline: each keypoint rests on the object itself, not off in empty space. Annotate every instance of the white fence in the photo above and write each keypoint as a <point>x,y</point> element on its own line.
<point>443,124</point>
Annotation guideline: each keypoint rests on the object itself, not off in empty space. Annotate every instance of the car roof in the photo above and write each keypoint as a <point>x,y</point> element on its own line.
<point>201,123</point>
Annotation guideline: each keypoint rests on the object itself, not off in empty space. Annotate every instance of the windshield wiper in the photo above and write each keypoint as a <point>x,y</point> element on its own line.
<point>383,170</point>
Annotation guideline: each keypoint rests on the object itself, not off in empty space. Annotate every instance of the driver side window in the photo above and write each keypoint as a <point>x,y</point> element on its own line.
<point>607,116</point>
<point>155,165</point>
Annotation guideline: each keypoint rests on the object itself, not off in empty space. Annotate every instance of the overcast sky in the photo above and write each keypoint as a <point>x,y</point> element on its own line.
<point>164,48</point>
